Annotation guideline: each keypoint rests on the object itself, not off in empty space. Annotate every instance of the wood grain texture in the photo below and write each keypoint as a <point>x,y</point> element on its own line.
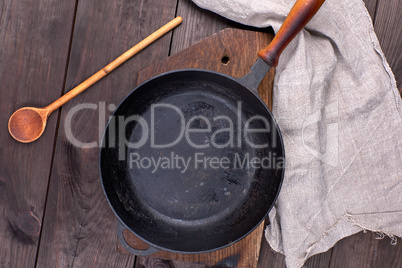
<point>366,250</point>
<point>227,43</point>
<point>34,41</point>
<point>269,258</point>
<point>371,6</point>
<point>114,64</point>
<point>319,260</point>
<point>243,254</point>
<point>200,24</point>
<point>387,26</point>
<point>79,227</point>
<point>159,263</point>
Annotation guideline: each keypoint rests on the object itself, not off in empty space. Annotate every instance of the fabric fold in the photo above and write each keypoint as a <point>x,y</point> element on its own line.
<point>338,107</point>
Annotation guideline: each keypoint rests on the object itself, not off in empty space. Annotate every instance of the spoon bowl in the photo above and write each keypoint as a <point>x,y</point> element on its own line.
<point>27,124</point>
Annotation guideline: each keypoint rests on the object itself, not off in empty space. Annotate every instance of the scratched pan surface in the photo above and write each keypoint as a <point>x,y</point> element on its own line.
<point>191,161</point>
<point>189,208</point>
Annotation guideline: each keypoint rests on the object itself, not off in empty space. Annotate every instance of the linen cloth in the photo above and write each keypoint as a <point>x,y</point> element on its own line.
<point>339,110</point>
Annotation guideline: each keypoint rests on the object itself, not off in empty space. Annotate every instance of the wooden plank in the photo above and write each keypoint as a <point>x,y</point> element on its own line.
<point>211,50</point>
<point>364,250</point>
<point>243,254</point>
<point>199,24</point>
<point>79,226</point>
<point>388,34</point>
<point>269,258</point>
<point>159,263</point>
<point>34,41</point>
<point>371,6</point>
<point>387,25</point>
<point>319,260</point>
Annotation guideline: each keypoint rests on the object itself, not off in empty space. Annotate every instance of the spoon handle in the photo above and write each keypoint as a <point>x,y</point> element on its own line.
<point>113,65</point>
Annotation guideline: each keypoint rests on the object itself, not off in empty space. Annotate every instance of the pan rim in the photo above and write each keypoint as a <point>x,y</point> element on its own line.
<point>235,80</point>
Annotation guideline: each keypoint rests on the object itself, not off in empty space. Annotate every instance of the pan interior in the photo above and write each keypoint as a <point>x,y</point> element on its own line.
<point>183,178</point>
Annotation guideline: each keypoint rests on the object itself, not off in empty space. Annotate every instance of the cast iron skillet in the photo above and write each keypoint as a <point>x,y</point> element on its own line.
<point>222,129</point>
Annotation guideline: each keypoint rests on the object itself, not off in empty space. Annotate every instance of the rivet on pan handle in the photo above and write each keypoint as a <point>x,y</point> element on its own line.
<point>130,249</point>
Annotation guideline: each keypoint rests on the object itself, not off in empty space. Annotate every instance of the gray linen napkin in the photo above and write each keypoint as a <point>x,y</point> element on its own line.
<point>336,102</point>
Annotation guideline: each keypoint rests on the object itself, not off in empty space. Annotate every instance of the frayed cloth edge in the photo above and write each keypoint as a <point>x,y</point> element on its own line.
<point>377,48</point>
<point>380,235</point>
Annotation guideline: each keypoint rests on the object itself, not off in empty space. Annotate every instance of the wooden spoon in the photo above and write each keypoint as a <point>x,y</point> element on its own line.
<point>28,123</point>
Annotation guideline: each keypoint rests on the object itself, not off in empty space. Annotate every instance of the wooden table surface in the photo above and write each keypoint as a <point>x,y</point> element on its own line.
<point>53,210</point>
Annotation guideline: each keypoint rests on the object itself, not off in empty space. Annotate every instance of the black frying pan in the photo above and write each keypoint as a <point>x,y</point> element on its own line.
<point>193,160</point>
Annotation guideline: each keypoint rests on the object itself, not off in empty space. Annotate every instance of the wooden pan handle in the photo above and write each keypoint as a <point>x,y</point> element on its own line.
<point>298,17</point>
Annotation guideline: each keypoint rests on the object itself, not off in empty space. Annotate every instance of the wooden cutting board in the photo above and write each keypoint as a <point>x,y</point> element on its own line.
<point>232,52</point>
